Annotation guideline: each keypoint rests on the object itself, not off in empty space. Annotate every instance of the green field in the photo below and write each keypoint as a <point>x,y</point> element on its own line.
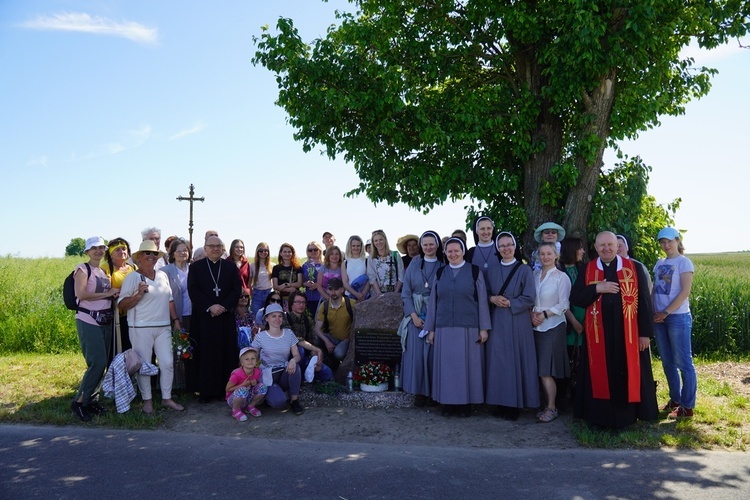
<point>34,319</point>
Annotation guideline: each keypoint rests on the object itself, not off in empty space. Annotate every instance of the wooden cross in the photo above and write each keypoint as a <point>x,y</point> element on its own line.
<point>191,199</point>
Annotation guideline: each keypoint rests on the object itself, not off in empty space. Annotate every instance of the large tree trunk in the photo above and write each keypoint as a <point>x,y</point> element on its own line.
<point>548,133</point>
<point>580,200</point>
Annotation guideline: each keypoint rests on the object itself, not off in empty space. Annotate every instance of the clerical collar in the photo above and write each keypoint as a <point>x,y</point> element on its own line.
<point>488,244</point>
<point>601,264</point>
<point>508,263</point>
<point>213,261</point>
<point>430,259</point>
<point>458,266</point>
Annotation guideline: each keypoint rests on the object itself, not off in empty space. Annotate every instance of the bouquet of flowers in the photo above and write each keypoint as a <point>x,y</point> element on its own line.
<point>373,373</point>
<point>182,345</point>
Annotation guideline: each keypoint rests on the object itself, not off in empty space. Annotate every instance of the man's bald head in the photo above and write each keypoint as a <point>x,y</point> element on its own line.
<point>606,246</point>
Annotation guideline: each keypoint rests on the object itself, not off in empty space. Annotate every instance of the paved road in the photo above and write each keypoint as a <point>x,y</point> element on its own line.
<point>73,462</point>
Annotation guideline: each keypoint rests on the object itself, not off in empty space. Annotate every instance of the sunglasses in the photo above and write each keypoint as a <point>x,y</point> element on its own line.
<point>150,253</point>
<point>263,250</point>
<point>274,301</point>
<point>313,249</point>
<point>244,296</point>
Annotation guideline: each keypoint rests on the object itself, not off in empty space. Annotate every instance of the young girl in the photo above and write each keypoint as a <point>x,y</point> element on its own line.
<point>244,389</point>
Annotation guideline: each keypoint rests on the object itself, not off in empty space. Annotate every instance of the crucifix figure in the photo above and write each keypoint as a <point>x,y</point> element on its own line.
<point>217,290</point>
<point>191,199</point>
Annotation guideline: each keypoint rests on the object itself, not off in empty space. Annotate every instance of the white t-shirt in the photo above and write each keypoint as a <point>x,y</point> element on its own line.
<point>667,284</point>
<point>153,308</point>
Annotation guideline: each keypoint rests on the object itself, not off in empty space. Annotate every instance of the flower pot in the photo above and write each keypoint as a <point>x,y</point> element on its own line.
<point>374,388</point>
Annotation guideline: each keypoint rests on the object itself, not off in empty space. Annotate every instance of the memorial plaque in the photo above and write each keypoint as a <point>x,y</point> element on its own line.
<point>372,344</point>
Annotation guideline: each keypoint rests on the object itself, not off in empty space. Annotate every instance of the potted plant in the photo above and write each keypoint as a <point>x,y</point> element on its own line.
<point>373,376</point>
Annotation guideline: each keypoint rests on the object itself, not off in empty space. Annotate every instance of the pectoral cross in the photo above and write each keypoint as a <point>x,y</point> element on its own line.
<point>217,289</point>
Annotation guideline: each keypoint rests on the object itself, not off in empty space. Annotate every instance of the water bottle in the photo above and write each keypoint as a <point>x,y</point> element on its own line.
<point>350,382</point>
<point>397,378</point>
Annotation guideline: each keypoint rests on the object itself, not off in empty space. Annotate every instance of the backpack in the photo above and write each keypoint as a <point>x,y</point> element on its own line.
<point>474,274</point>
<point>347,303</point>
<point>69,289</point>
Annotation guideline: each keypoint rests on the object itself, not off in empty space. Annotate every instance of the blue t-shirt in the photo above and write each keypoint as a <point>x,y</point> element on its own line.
<point>667,283</point>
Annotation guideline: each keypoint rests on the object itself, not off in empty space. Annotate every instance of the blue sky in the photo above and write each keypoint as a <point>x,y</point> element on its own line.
<point>111,109</point>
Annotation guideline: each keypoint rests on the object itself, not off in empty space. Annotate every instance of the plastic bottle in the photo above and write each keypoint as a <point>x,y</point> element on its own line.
<point>397,378</point>
<point>350,382</point>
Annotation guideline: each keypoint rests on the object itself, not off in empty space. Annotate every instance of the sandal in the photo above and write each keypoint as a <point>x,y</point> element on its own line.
<point>251,410</point>
<point>548,416</point>
<point>241,417</point>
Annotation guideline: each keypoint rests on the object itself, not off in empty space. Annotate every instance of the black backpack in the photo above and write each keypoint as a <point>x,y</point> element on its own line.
<point>69,289</point>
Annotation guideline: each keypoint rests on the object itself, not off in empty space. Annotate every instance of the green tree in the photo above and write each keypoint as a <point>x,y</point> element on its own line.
<point>75,247</point>
<point>509,103</point>
<point>622,205</point>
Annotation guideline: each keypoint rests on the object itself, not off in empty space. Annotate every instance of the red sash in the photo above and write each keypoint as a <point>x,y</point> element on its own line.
<point>594,329</point>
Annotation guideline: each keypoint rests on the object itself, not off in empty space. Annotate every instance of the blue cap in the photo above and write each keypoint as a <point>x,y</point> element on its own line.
<point>669,233</point>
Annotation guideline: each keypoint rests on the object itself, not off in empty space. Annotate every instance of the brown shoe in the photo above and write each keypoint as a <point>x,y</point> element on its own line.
<point>672,405</point>
<point>681,412</point>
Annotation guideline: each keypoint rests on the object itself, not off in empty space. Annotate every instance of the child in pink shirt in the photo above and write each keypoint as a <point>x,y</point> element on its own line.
<point>245,389</point>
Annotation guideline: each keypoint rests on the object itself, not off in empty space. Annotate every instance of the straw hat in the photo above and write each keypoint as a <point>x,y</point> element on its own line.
<point>147,246</point>
<point>401,243</point>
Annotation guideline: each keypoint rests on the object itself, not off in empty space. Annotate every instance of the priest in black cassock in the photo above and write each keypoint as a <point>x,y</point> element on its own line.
<point>214,286</point>
<point>615,383</point>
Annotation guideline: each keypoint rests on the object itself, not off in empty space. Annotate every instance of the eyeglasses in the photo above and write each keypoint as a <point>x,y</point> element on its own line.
<point>213,246</point>
<point>303,302</point>
<point>150,253</point>
<point>509,245</point>
<point>549,231</point>
<point>313,249</point>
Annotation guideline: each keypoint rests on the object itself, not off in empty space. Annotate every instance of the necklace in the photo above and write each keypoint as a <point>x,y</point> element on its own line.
<point>427,278</point>
<point>485,257</point>
<point>216,288</point>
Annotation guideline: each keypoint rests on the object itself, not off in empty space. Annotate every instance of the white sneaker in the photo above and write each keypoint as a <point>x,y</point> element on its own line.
<point>310,370</point>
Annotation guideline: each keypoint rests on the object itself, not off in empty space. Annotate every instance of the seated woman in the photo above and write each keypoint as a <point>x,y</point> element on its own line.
<point>280,357</point>
<point>246,328</point>
<point>273,298</point>
<point>354,272</point>
<point>147,296</point>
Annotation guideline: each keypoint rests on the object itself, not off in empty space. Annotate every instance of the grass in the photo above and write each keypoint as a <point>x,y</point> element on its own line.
<point>721,421</point>
<point>38,389</point>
